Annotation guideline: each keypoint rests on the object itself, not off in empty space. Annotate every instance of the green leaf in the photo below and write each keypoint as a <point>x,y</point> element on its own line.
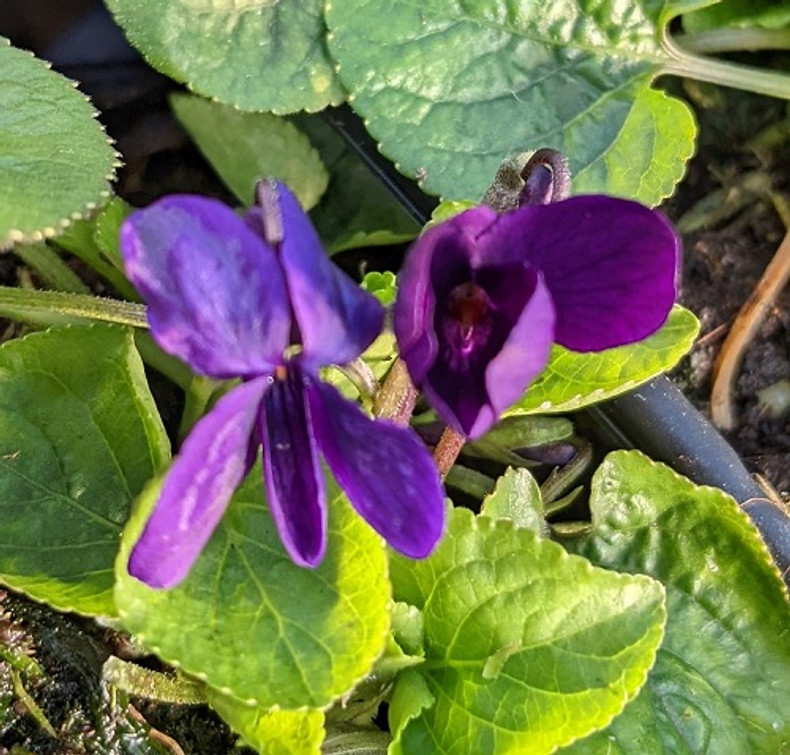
<point>768,14</point>
<point>357,209</point>
<point>526,648</point>
<point>449,89</point>
<point>263,56</point>
<point>275,732</point>
<point>79,438</point>
<point>573,380</point>
<point>245,147</point>
<point>517,497</point>
<point>55,159</point>
<point>254,625</point>
<point>722,679</point>
<point>384,286</point>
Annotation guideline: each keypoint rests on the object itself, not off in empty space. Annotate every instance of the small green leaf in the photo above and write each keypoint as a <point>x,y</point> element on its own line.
<point>384,286</point>
<point>273,732</point>
<point>517,498</point>
<point>245,147</point>
<point>722,679</point>
<point>573,380</point>
<point>357,209</point>
<point>55,159</point>
<point>260,628</point>
<point>79,438</point>
<point>408,628</point>
<point>262,56</point>
<point>526,648</point>
<point>450,89</point>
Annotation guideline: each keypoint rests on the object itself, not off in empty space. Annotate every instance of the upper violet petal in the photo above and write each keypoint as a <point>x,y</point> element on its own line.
<point>294,479</point>
<point>336,319</point>
<point>215,293</point>
<point>610,265</point>
<point>437,259</point>
<point>212,462</point>
<point>385,470</point>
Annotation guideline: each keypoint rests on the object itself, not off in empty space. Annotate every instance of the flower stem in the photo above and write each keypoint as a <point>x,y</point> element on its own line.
<point>395,401</point>
<point>46,308</point>
<point>447,450</point>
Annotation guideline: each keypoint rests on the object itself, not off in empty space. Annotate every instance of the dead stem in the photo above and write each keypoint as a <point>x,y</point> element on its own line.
<point>748,320</point>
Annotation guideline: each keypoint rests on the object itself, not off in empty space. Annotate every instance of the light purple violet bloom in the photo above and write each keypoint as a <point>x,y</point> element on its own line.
<point>257,298</point>
<point>482,297</point>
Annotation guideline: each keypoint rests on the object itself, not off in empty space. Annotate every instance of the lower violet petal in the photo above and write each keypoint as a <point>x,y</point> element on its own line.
<point>385,470</point>
<point>212,462</point>
<point>294,479</point>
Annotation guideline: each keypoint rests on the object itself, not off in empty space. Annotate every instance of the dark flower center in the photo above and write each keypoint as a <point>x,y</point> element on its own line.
<point>469,321</point>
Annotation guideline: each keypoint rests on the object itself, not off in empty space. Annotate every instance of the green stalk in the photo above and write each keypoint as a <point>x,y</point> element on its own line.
<point>51,268</point>
<point>735,40</point>
<point>46,308</point>
<point>687,64</point>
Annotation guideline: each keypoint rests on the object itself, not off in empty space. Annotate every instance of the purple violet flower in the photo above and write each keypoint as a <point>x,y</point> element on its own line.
<point>482,297</point>
<point>257,298</point>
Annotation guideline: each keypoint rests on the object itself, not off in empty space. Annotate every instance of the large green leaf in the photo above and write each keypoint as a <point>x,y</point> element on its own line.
<point>254,625</point>
<point>55,159</point>
<point>721,683</point>
<point>572,380</point>
<point>264,55</point>
<point>79,438</point>
<point>526,648</point>
<point>451,88</point>
<point>245,147</point>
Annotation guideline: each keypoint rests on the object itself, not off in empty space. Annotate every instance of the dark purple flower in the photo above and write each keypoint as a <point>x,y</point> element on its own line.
<point>483,296</point>
<point>257,298</point>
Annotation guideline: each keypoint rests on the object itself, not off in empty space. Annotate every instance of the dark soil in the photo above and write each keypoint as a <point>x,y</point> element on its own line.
<point>735,237</point>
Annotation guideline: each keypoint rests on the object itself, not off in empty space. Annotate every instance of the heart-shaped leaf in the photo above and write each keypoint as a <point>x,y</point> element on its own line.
<point>79,438</point>
<point>254,625</point>
<point>55,159</point>
<point>526,648</point>
<point>450,88</point>
<point>722,679</point>
<point>573,380</point>
<point>263,56</point>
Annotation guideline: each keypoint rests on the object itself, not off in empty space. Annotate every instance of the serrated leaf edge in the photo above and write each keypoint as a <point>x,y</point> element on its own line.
<point>16,236</point>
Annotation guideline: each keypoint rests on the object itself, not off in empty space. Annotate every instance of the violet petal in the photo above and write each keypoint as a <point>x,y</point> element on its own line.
<point>294,479</point>
<point>385,470</point>
<point>215,293</point>
<point>610,265</point>
<point>336,319</point>
<point>212,462</point>
<point>433,260</point>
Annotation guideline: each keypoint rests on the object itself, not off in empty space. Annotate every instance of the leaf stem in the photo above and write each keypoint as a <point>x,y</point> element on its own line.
<point>688,64</point>
<point>735,40</point>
